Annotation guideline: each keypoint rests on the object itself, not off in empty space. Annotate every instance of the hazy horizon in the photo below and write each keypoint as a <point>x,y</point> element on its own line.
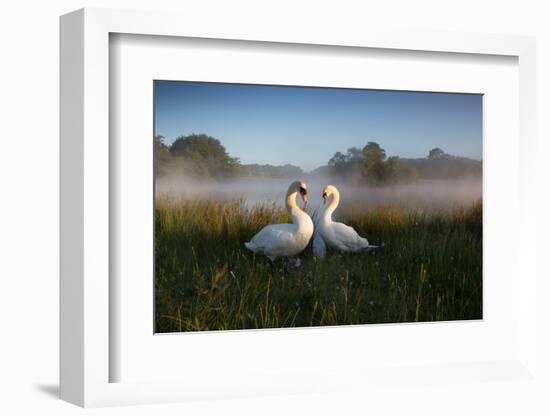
<point>305,126</point>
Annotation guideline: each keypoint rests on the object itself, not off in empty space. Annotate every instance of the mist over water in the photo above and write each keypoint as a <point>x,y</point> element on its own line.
<point>423,194</point>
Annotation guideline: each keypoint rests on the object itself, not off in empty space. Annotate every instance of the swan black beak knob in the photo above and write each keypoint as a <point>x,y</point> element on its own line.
<point>303,194</point>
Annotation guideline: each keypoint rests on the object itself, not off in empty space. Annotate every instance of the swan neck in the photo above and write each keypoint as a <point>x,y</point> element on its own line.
<point>294,211</point>
<point>332,206</point>
<point>291,202</point>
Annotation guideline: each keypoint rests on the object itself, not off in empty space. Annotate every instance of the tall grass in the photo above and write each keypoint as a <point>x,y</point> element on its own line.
<point>429,269</point>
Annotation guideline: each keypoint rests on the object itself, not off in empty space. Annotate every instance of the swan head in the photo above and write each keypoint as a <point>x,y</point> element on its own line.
<point>300,187</point>
<point>328,191</point>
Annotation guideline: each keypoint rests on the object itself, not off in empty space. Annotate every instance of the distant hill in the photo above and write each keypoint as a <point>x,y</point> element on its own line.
<point>271,171</point>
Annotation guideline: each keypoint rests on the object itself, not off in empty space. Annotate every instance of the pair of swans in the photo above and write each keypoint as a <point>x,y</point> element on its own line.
<point>288,240</point>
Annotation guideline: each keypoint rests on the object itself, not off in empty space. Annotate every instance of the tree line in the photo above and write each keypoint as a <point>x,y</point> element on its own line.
<point>370,165</point>
<point>203,156</point>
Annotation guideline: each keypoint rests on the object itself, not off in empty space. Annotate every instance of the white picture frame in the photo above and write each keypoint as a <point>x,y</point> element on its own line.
<point>85,353</point>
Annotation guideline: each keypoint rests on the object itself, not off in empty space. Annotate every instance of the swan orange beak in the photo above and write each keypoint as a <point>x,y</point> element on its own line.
<point>324,197</point>
<point>304,198</point>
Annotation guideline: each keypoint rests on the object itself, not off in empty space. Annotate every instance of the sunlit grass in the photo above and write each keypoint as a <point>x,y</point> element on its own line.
<point>428,269</point>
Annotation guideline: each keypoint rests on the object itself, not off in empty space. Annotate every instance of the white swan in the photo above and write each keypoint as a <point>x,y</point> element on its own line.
<point>318,244</point>
<point>336,235</point>
<point>285,240</point>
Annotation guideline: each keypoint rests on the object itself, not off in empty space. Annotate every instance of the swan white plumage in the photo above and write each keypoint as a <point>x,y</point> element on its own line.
<point>336,235</point>
<point>318,244</point>
<point>285,240</point>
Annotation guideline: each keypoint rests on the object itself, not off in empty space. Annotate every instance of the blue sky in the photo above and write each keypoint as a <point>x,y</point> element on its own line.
<point>306,126</point>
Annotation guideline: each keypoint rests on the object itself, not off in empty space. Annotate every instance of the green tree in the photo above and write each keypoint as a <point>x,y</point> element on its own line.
<point>436,153</point>
<point>337,161</point>
<point>162,155</point>
<point>398,171</point>
<point>204,156</point>
<point>374,169</point>
<point>347,165</point>
<point>354,155</point>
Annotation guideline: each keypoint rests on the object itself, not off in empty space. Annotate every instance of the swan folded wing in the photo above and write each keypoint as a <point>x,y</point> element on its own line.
<point>347,239</point>
<point>277,240</point>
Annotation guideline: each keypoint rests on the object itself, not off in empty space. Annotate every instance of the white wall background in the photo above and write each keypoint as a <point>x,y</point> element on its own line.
<point>29,203</point>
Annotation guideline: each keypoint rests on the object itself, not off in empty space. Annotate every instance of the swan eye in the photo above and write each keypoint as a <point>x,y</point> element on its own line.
<point>303,190</point>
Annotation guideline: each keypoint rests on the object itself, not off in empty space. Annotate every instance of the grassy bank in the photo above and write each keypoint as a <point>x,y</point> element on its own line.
<point>429,269</point>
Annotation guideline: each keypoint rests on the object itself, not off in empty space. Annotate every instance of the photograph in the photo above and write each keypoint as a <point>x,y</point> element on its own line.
<point>281,206</point>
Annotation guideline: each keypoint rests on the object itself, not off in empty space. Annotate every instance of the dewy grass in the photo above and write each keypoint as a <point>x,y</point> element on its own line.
<point>429,269</point>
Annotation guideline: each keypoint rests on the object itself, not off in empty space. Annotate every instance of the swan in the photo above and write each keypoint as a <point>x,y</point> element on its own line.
<point>285,240</point>
<point>336,235</point>
<point>318,245</point>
